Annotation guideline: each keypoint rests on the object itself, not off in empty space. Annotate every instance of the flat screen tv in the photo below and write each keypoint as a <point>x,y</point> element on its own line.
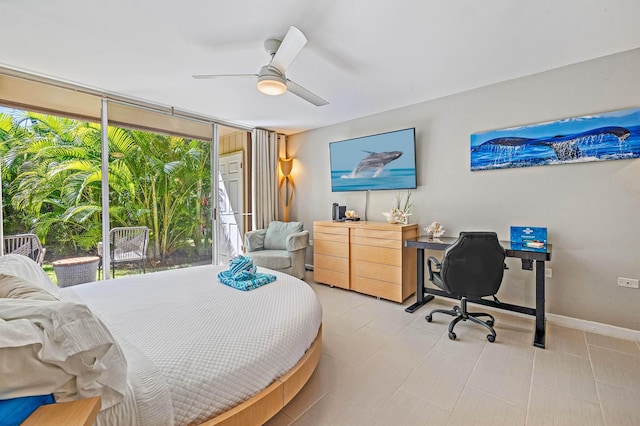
<point>382,161</point>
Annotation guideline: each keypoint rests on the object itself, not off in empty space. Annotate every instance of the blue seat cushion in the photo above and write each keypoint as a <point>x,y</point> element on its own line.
<point>272,259</point>
<point>16,410</point>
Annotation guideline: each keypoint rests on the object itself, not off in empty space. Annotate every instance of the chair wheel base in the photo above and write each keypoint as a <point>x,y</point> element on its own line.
<point>461,314</point>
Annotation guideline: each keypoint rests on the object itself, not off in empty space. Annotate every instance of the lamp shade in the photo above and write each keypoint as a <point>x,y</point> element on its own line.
<point>286,164</point>
<point>271,82</point>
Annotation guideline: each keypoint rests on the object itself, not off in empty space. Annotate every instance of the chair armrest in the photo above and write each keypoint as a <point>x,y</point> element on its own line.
<point>41,256</point>
<point>297,241</point>
<point>435,262</point>
<point>254,240</point>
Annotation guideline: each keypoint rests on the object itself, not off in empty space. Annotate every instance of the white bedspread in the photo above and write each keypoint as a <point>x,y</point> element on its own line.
<point>212,346</point>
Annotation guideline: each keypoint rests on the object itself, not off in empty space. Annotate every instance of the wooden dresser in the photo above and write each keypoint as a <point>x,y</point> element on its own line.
<point>367,257</point>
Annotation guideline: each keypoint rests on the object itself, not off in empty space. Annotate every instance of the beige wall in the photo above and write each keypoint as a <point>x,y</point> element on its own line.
<point>592,210</point>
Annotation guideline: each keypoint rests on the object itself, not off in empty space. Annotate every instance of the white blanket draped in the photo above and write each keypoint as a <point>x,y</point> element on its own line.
<point>208,346</point>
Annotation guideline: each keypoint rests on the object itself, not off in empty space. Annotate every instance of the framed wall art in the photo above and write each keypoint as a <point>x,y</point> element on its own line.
<point>600,137</point>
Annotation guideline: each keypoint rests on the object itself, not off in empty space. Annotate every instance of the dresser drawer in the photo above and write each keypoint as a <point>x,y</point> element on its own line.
<point>339,238</point>
<point>379,233</point>
<point>382,255</point>
<point>333,278</point>
<point>377,288</point>
<point>378,242</point>
<point>330,248</point>
<point>338,264</point>
<point>378,271</point>
<point>330,230</point>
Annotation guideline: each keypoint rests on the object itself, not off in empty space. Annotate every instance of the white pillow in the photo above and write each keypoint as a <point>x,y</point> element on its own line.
<point>60,348</point>
<point>16,288</point>
<point>23,267</point>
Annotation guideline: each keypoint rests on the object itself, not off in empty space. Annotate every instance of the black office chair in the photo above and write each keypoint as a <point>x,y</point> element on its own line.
<point>471,268</point>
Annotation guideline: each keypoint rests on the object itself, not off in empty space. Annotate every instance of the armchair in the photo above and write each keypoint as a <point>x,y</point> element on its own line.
<point>471,268</point>
<point>280,247</point>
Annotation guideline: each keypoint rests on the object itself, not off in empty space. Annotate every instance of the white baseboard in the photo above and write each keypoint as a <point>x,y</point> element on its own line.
<point>575,323</point>
<point>594,327</point>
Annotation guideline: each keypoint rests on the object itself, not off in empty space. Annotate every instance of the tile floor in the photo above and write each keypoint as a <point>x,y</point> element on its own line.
<point>383,366</point>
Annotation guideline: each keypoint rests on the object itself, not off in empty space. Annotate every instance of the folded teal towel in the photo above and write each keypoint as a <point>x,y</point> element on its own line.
<point>243,275</point>
<point>241,263</point>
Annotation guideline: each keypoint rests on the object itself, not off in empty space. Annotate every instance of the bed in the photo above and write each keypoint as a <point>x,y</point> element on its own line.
<point>197,351</point>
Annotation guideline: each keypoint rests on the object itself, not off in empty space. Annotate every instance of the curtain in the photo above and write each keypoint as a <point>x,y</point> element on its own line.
<point>265,178</point>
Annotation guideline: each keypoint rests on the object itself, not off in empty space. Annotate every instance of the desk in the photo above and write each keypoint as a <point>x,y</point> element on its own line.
<point>527,255</point>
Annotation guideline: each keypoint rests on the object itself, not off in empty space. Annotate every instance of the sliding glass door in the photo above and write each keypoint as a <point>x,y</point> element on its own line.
<point>53,181</point>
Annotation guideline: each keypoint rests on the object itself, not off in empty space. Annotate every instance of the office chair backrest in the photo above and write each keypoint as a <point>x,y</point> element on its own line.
<point>474,265</point>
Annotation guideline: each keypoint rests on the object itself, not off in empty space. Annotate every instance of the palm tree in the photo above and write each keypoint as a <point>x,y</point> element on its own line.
<point>54,166</point>
<point>58,177</point>
<point>171,171</point>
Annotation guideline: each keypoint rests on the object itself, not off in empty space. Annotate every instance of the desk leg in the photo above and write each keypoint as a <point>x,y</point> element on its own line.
<point>539,337</point>
<point>421,299</point>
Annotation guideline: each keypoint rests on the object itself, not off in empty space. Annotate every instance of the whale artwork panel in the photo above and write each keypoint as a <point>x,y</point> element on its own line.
<point>600,137</point>
<point>375,162</point>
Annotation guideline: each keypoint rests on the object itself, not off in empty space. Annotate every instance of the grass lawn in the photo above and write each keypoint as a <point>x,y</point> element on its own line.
<point>133,270</point>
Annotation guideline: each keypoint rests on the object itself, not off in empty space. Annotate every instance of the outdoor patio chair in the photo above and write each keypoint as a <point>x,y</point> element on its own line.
<point>127,245</point>
<point>25,244</point>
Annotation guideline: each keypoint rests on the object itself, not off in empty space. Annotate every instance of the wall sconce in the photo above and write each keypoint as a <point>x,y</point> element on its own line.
<point>286,182</point>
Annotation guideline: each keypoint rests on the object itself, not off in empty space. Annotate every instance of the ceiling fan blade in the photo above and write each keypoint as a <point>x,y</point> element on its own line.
<point>300,91</point>
<point>291,45</point>
<point>208,76</point>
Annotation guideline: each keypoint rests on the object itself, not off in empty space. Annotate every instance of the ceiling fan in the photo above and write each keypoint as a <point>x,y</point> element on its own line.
<point>271,77</point>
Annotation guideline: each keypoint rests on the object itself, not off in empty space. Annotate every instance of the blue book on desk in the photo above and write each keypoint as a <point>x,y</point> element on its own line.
<point>529,236</point>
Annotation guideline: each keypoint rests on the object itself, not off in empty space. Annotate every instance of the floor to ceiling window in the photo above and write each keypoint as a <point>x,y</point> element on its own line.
<point>51,185</point>
<point>157,164</point>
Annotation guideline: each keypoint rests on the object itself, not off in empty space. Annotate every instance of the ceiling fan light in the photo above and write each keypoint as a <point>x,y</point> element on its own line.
<point>271,85</point>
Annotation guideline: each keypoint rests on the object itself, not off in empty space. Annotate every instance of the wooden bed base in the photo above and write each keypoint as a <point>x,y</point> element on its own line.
<point>266,404</point>
<point>82,412</point>
<point>255,411</point>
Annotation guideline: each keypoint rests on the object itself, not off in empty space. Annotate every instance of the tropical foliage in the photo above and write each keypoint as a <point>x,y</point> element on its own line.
<point>52,174</point>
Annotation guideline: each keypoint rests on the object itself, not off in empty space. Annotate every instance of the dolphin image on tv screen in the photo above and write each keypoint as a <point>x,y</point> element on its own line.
<point>374,161</point>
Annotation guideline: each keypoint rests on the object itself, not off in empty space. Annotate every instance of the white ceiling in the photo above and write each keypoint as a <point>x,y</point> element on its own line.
<point>363,56</point>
